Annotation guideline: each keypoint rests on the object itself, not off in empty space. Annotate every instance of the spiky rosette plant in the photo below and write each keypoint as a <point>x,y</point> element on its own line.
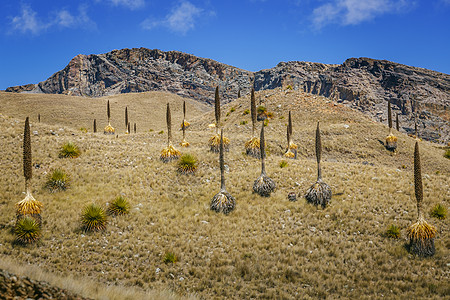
<point>69,150</point>
<point>28,206</point>
<point>27,231</point>
<point>214,141</point>
<point>391,140</point>
<point>291,151</point>
<point>187,164</point>
<point>263,185</point>
<point>169,153</point>
<point>319,193</point>
<point>93,218</point>
<point>252,145</point>
<point>109,129</point>
<point>184,125</point>
<point>118,207</point>
<point>58,180</point>
<point>421,234</point>
<point>222,201</point>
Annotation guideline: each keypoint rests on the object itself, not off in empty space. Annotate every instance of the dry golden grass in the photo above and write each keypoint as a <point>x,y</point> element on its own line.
<point>267,247</point>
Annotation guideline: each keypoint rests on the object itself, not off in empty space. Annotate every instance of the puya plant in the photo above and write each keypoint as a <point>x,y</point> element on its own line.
<point>263,185</point>
<point>28,206</point>
<point>391,140</point>
<point>184,125</point>
<point>169,153</point>
<point>214,141</point>
<point>319,193</point>
<point>69,150</point>
<point>93,218</point>
<point>27,231</point>
<point>58,180</point>
<point>118,207</point>
<point>291,151</point>
<point>222,201</point>
<point>187,164</point>
<point>421,234</point>
<point>127,124</point>
<point>252,145</point>
<point>109,129</point>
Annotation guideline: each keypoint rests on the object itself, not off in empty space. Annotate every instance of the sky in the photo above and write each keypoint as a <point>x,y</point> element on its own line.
<point>39,38</point>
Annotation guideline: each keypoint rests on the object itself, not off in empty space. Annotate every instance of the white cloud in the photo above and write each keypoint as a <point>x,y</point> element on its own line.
<point>28,20</point>
<point>131,4</point>
<point>352,12</point>
<point>181,19</point>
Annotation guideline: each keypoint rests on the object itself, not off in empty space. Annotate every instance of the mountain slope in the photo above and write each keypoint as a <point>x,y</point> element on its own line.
<point>267,247</point>
<point>418,95</point>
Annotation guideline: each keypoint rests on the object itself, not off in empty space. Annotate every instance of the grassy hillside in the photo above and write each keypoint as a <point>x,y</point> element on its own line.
<point>267,247</point>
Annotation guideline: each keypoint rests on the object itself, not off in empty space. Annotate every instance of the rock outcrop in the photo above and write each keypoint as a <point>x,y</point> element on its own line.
<point>418,95</point>
<point>140,70</point>
<point>19,287</point>
<point>367,84</point>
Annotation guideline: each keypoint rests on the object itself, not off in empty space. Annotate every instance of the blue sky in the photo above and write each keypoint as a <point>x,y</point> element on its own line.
<point>38,38</point>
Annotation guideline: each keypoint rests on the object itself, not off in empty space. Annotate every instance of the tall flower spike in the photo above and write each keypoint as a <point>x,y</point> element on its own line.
<point>108,111</point>
<point>421,234</point>
<point>109,129</point>
<point>29,205</point>
<point>183,127</point>
<point>126,119</point>
<point>391,140</point>
<point>169,124</point>
<point>319,193</point>
<point>169,153</point>
<point>291,151</point>
<point>27,169</point>
<point>397,123</point>
<point>217,108</point>
<point>263,185</point>
<point>418,187</point>
<point>253,111</point>
<point>222,201</point>
<point>95,125</point>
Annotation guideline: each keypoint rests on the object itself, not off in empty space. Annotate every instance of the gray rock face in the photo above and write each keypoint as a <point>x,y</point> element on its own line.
<point>140,70</point>
<point>363,83</point>
<point>367,84</point>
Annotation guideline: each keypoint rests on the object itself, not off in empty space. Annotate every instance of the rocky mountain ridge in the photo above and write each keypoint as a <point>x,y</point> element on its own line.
<point>418,95</point>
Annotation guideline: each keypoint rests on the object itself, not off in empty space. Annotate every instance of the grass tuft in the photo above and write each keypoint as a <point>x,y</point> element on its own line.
<point>170,258</point>
<point>69,150</point>
<point>187,164</point>
<point>283,164</point>
<point>119,207</point>
<point>58,180</point>
<point>93,218</point>
<point>27,231</point>
<point>439,212</point>
<point>393,232</point>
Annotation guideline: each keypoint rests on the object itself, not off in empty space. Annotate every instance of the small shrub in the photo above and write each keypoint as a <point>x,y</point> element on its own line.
<point>283,164</point>
<point>118,207</point>
<point>261,109</point>
<point>170,258</point>
<point>243,122</point>
<point>447,154</point>
<point>150,130</point>
<point>83,129</point>
<point>93,218</point>
<point>393,232</point>
<point>161,132</point>
<point>69,150</point>
<point>439,212</point>
<point>266,122</point>
<point>246,112</point>
<point>187,164</point>
<point>232,109</point>
<point>27,231</point>
<point>57,180</point>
